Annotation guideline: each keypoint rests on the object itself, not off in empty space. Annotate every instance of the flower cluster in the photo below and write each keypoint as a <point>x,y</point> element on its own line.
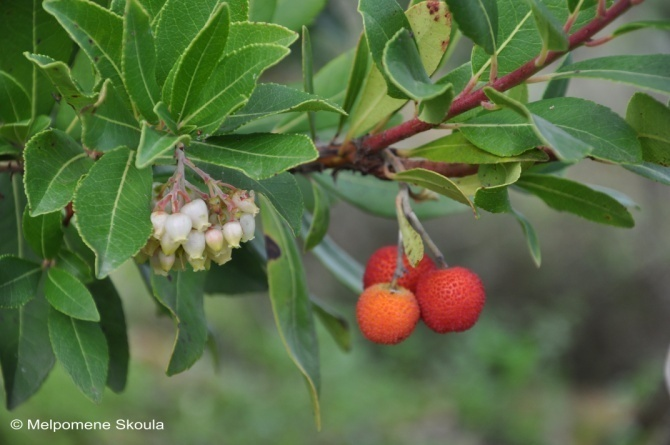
<point>190,226</point>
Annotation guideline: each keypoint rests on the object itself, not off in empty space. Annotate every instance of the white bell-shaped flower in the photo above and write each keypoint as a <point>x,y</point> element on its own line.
<point>178,226</point>
<point>158,219</point>
<point>168,244</point>
<point>166,261</point>
<point>245,204</point>
<point>197,211</point>
<point>214,239</point>
<point>194,245</point>
<point>248,223</point>
<point>156,266</point>
<point>223,256</point>
<point>232,232</point>
<point>198,264</point>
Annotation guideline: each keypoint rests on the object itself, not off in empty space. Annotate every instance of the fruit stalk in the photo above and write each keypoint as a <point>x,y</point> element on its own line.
<point>416,224</point>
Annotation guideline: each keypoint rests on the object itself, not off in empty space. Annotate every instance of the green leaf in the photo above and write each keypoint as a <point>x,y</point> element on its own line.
<point>163,113</point>
<point>290,300</point>
<point>154,143</point>
<point>25,350</point>
<point>359,71</point>
<point>74,264</point>
<point>16,103</point>
<point>68,295</point>
<point>499,175</point>
<point>194,68</point>
<point>435,182</point>
<point>336,325</point>
<point>455,148</point>
<point>532,240</point>
<point>566,147</point>
<point>651,72</point>
<point>477,20</point>
<point>173,33</point>
<point>12,203</point>
<point>231,84</point>
<point>96,30</point>
<point>259,156</point>
<point>330,83</point>
<point>321,217</point>
<point>81,347</point>
<point>182,295</point>
<point>663,25</point>
<point>572,4</point>
<point>518,37</point>
<point>337,261</point>
<point>139,60</point>
<point>281,190</point>
<point>402,64</point>
<point>551,30</point>
<point>412,243</point>
<point>30,28</point>
<point>295,14</point>
<point>494,200</point>
<point>382,19</point>
<point>61,77</point>
<point>308,75</point>
<point>242,34</point>
<point>269,99</point>
<point>19,279</point>
<point>569,196</point>
<point>8,150</point>
<point>506,133</point>
<point>650,120</point>
<point>113,206</point>
<point>374,106</point>
<point>435,110</point>
<point>54,163</point>
<point>558,87</point>
<point>109,124</point>
<point>113,324</point>
<point>651,171</point>
<point>244,274</point>
<point>262,10</point>
<point>44,233</point>
<point>377,197</point>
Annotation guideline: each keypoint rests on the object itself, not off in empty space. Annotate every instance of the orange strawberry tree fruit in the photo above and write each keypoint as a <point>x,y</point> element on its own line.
<point>143,130</point>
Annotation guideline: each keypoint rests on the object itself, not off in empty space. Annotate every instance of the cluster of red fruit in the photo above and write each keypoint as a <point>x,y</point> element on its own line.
<point>447,300</point>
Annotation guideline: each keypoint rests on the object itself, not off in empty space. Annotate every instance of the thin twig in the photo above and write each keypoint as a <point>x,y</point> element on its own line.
<point>400,269</point>
<point>416,224</point>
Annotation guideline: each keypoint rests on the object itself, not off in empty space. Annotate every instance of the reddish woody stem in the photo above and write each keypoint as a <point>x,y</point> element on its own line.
<point>360,155</point>
<point>473,99</point>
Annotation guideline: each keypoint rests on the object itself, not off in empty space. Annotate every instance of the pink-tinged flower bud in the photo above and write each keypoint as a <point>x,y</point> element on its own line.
<point>169,245</point>
<point>166,261</point>
<point>248,223</point>
<point>232,232</point>
<point>194,245</point>
<point>223,257</point>
<point>198,264</point>
<point>156,266</point>
<point>158,219</point>
<point>178,226</point>
<point>214,240</point>
<point>197,211</point>
<point>245,203</point>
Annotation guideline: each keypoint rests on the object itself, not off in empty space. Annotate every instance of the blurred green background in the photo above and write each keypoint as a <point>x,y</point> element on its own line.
<point>571,353</point>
